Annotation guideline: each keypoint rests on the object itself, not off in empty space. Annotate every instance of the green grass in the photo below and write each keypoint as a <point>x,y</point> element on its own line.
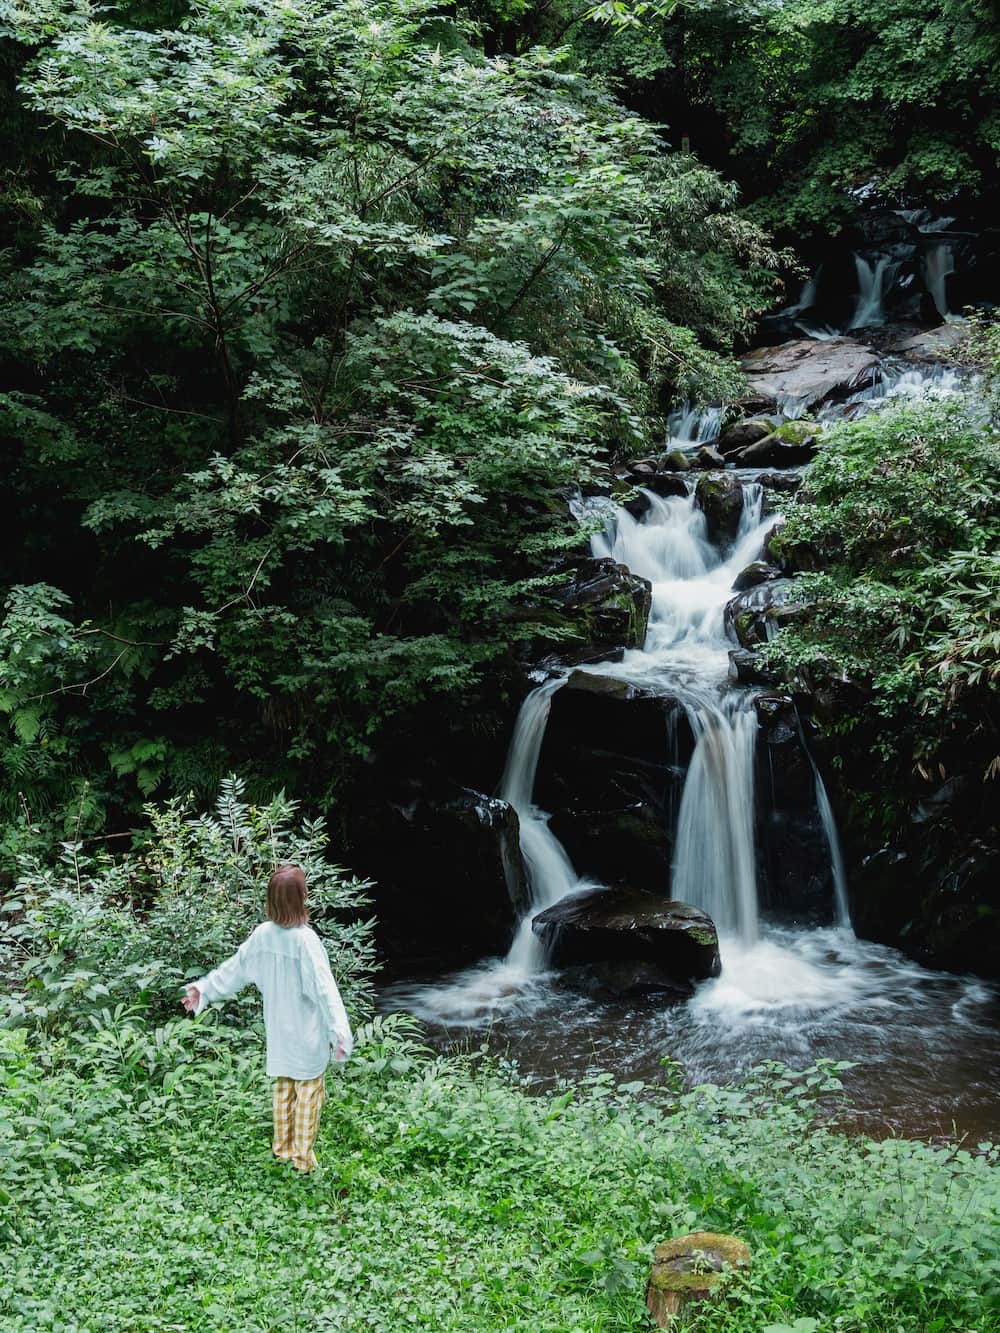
<point>449,1199</point>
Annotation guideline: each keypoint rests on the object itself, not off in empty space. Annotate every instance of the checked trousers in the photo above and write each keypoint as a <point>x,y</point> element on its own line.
<point>297,1105</point>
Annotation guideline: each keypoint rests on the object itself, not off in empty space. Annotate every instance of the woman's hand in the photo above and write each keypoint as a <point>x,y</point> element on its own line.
<point>191,998</point>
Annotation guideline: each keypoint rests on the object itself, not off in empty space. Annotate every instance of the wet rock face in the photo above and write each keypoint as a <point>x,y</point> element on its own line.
<point>611,772</point>
<point>756,573</point>
<point>932,891</point>
<point>719,495</point>
<point>625,925</point>
<point>745,669</point>
<point>449,880</point>
<point>809,373</point>
<point>794,875</point>
<point>604,604</point>
<point>755,615</point>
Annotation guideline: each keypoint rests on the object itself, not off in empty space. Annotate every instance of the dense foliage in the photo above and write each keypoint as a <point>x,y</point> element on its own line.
<point>817,106</point>
<point>899,524</point>
<point>311,311</point>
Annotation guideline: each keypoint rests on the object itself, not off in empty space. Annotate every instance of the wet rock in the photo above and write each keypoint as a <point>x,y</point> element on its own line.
<point>612,980</point>
<point>603,603</point>
<point>676,461</point>
<point>755,616</point>
<point>667,483</point>
<point>931,344</point>
<point>793,442</point>
<point>810,373</point>
<point>791,557</point>
<point>795,877</point>
<point>932,893</point>
<point>744,433</point>
<point>637,504</point>
<point>745,669</point>
<point>779,481</point>
<point>756,573</point>
<point>709,457</point>
<point>627,925</point>
<point>719,495</point>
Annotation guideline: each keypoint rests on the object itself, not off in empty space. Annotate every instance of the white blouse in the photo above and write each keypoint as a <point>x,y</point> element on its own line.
<point>303,1012</point>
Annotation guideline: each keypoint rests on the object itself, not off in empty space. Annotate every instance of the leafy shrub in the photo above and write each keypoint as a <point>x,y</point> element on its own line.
<point>902,511</point>
<point>91,933</point>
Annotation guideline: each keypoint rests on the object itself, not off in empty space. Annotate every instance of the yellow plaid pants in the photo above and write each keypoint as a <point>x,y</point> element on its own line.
<point>297,1104</point>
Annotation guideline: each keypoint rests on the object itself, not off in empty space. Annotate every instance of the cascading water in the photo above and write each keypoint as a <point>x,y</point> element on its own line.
<point>875,281</point>
<point>686,654</point>
<point>939,265</point>
<point>926,1042</point>
<point>688,425</point>
<point>549,871</point>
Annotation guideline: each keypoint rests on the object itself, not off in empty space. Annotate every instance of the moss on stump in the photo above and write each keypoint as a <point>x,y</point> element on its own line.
<point>689,1269</point>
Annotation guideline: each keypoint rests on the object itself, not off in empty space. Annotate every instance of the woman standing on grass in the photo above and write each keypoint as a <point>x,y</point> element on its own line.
<point>303,1012</point>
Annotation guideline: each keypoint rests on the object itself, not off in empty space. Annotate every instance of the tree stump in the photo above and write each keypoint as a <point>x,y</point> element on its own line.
<point>689,1269</point>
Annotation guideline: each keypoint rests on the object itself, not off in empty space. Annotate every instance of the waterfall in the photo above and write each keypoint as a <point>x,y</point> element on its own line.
<point>939,264</point>
<point>686,657</point>
<point>549,871</point>
<point>836,857</point>
<point>686,654</point>
<point>687,425</point>
<point>874,284</point>
<point>714,856</point>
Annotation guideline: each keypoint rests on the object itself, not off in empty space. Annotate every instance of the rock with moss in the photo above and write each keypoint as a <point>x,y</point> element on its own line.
<point>791,443</point>
<point>754,574</point>
<point>755,616</point>
<point>626,925</point>
<point>603,604</point>
<point>744,433</point>
<point>690,1269</point>
<point>719,495</point>
<point>675,461</point>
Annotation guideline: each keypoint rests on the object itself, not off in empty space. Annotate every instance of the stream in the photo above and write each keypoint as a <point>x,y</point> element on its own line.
<point>926,1045</point>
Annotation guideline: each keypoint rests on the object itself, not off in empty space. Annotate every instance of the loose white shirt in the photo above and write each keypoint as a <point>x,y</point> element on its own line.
<point>303,1012</point>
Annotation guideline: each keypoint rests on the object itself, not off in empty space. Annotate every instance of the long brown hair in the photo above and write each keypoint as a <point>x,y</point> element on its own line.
<point>286,897</point>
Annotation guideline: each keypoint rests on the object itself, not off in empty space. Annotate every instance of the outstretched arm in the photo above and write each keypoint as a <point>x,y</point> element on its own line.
<point>323,991</point>
<point>228,978</point>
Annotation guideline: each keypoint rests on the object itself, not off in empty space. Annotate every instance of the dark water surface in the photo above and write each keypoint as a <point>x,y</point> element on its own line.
<point>926,1045</point>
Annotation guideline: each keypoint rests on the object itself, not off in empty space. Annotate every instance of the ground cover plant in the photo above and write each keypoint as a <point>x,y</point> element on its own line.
<point>138,1191</point>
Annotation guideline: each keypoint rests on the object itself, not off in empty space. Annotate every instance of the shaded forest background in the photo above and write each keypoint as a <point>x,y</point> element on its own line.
<point>315,313</point>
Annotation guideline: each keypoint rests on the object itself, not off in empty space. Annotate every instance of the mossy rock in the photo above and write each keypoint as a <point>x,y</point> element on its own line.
<point>690,1269</point>
<point>676,461</point>
<point>800,431</point>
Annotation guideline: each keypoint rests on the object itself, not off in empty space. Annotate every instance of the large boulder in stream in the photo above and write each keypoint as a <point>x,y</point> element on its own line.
<point>602,604</point>
<point>719,496</point>
<point>664,945</point>
<point>792,443</point>
<point>808,373</point>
